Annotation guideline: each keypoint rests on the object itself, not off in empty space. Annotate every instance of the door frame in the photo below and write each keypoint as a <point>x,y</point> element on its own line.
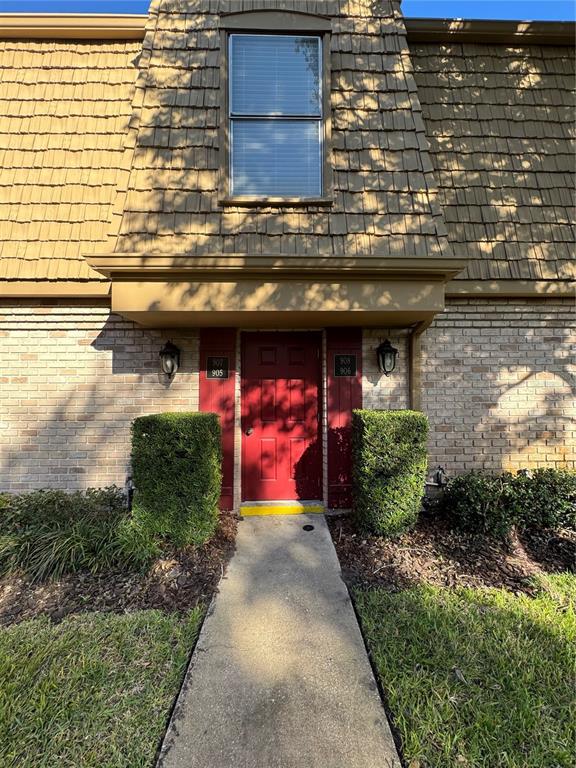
<point>313,334</point>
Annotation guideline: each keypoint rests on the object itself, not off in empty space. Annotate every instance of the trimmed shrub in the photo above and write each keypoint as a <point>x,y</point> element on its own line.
<point>545,499</point>
<point>389,469</point>
<point>176,465</point>
<point>491,504</point>
<point>479,502</point>
<point>46,534</point>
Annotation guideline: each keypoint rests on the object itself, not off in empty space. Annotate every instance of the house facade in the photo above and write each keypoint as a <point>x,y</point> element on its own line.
<point>287,193</point>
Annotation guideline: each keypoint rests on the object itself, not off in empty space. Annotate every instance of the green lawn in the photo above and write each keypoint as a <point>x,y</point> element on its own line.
<point>95,690</point>
<point>478,678</point>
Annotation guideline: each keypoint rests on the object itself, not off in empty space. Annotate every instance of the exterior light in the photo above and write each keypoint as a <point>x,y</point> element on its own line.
<point>169,359</point>
<point>440,477</point>
<point>386,355</point>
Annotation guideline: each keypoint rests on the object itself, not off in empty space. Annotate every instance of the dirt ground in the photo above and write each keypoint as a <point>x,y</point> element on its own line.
<point>434,554</point>
<point>176,582</point>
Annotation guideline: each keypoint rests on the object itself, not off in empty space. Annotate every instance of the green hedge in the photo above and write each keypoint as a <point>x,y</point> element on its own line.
<point>479,502</point>
<point>389,469</point>
<point>492,504</point>
<point>546,498</point>
<point>46,534</point>
<point>176,465</point>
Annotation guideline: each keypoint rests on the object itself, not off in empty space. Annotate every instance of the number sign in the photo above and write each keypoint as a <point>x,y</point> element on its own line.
<point>217,368</point>
<point>344,365</point>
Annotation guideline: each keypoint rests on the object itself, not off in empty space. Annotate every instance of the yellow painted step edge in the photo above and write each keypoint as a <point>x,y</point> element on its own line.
<point>281,509</point>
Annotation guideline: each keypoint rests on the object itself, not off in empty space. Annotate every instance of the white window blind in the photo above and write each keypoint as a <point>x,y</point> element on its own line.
<point>275,116</point>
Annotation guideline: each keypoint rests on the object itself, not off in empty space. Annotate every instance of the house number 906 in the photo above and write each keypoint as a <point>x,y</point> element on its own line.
<point>344,365</point>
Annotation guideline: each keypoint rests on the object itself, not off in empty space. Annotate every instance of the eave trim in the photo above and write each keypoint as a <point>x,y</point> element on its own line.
<point>53,289</point>
<point>510,288</point>
<point>153,266</point>
<point>72,26</point>
<point>490,31</point>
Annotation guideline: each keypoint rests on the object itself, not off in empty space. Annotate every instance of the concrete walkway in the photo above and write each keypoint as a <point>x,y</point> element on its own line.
<point>280,677</point>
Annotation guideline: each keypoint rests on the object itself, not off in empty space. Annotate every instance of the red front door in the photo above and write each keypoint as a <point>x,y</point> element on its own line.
<point>281,452</point>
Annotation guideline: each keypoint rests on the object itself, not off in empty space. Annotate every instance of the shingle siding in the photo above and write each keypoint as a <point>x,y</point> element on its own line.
<point>383,185</point>
<point>64,113</point>
<point>500,122</point>
<point>471,140</point>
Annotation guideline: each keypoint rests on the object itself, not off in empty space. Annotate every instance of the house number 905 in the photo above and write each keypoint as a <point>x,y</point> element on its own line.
<point>217,368</point>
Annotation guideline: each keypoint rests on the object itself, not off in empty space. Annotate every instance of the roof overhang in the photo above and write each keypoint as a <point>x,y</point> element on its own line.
<point>488,31</point>
<point>122,265</point>
<point>132,27</point>
<point>73,26</point>
<point>276,291</point>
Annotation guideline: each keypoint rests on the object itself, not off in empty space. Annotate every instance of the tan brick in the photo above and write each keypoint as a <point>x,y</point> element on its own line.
<point>66,423</point>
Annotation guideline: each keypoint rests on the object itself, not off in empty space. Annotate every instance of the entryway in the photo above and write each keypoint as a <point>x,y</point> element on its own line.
<point>281,402</point>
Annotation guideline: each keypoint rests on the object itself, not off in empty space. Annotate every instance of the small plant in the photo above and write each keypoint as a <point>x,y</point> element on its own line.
<point>176,463</point>
<point>492,504</point>
<point>479,502</point>
<point>545,498</point>
<point>389,469</point>
<point>46,534</point>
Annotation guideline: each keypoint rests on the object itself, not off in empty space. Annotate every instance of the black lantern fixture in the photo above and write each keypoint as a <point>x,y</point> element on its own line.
<point>387,355</point>
<point>169,359</point>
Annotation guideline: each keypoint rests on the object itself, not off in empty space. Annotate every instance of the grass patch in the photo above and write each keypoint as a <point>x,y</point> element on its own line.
<point>561,587</point>
<point>93,691</point>
<point>477,677</point>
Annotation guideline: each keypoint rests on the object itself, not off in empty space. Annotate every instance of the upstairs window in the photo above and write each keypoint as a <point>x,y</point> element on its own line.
<point>276,126</point>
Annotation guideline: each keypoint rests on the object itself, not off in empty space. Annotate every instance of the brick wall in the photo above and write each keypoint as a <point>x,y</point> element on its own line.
<point>380,391</point>
<point>499,385</point>
<point>71,381</point>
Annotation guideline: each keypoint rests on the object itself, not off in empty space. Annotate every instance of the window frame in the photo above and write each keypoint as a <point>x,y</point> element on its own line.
<point>269,23</point>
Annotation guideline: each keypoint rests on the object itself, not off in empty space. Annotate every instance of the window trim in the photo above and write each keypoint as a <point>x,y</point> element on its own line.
<point>238,117</point>
<point>259,22</point>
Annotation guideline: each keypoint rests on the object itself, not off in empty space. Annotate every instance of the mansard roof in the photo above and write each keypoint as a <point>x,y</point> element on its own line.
<point>440,146</point>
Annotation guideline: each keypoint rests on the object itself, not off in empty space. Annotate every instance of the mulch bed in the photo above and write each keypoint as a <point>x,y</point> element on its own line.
<point>434,554</point>
<point>177,582</point>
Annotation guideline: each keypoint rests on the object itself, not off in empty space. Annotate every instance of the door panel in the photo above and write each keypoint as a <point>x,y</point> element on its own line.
<point>281,451</point>
<point>344,393</point>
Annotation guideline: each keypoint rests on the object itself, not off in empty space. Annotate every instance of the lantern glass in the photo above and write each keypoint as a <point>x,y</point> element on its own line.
<point>169,359</point>
<point>168,364</point>
<point>387,355</point>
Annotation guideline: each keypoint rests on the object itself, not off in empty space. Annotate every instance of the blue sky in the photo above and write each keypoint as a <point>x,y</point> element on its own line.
<point>470,9</point>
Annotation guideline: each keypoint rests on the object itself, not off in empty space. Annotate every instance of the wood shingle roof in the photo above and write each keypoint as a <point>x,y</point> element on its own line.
<point>64,113</point>
<point>437,148</point>
<point>500,122</point>
<point>383,185</point>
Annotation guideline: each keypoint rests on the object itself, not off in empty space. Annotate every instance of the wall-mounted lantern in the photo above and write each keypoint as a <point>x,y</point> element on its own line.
<point>169,359</point>
<point>386,355</point>
<point>440,477</point>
